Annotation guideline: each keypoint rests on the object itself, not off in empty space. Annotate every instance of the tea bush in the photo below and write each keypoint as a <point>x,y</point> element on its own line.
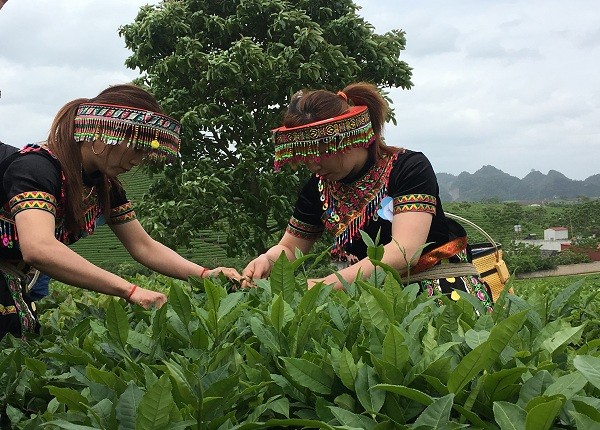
<point>378,356</point>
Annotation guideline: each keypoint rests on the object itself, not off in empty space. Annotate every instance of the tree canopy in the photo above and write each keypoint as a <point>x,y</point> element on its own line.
<point>226,69</point>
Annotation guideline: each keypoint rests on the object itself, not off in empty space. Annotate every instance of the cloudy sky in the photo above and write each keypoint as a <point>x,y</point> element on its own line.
<point>508,83</point>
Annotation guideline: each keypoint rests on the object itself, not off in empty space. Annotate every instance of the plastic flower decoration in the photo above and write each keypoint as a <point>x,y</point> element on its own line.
<point>386,208</point>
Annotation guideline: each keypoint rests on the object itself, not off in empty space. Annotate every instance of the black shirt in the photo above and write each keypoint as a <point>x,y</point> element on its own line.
<point>409,181</point>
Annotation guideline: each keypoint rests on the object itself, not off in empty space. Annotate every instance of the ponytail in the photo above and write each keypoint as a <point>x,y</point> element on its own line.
<point>366,94</point>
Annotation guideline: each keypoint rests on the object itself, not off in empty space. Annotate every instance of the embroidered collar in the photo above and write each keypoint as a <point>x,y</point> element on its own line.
<point>349,206</point>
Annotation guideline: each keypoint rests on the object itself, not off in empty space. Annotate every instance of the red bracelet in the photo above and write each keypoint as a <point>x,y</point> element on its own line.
<point>133,288</point>
<point>204,270</point>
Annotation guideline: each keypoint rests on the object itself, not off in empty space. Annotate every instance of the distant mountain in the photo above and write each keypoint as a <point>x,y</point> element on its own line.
<point>492,183</point>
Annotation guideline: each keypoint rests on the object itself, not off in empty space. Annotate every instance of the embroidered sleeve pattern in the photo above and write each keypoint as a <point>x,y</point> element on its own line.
<point>415,203</point>
<point>303,230</point>
<point>33,200</point>
<point>122,214</point>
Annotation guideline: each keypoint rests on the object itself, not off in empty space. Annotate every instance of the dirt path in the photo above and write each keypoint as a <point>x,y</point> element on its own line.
<point>571,269</point>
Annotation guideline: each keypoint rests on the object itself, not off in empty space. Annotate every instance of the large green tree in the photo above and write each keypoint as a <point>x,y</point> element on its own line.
<point>227,69</point>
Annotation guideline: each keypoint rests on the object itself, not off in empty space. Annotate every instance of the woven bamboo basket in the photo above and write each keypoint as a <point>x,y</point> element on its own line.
<point>487,259</point>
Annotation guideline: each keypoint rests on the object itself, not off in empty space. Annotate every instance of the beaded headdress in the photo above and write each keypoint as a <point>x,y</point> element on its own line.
<point>352,129</point>
<point>151,131</point>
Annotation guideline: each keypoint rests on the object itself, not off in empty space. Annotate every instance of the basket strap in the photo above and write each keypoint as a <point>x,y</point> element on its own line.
<point>20,271</point>
<point>434,256</point>
<point>439,271</point>
<point>476,227</point>
<point>12,269</point>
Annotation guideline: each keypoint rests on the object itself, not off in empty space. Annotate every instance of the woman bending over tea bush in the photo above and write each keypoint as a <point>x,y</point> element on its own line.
<point>55,193</point>
<point>360,183</point>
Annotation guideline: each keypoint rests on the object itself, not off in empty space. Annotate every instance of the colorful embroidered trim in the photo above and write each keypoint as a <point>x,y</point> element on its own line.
<point>26,317</point>
<point>151,131</point>
<point>33,200</point>
<point>5,310</point>
<point>446,250</point>
<point>122,214</point>
<point>352,129</point>
<point>415,203</point>
<point>348,207</point>
<point>303,230</point>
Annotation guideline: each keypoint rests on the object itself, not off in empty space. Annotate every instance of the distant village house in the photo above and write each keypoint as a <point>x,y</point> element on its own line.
<point>556,233</point>
<point>555,239</point>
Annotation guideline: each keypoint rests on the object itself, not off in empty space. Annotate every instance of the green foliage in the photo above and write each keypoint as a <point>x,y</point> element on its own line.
<point>569,257</point>
<point>524,258</point>
<point>584,218</point>
<point>227,69</point>
<point>377,356</point>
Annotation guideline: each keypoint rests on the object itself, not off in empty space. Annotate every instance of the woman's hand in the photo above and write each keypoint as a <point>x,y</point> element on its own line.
<point>229,272</point>
<point>147,298</point>
<point>258,268</point>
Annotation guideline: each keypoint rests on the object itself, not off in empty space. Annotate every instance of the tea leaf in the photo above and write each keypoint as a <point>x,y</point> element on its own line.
<point>277,313</point>
<point>543,414</point>
<point>313,297</point>
<point>117,323</point>
<point>126,409</point>
<point>509,416</point>
<point>180,302</point>
<point>589,366</point>
<point>155,406</point>
<point>395,351</point>
<point>68,426</point>
<point>214,295</point>
<point>371,400</point>
<point>567,385</point>
<point>375,252</point>
<point>583,422</point>
<point>68,396</point>
<point>586,409</point>
<point>309,375</point>
<point>182,382</point>
<point>483,356</point>
<point>409,393</point>
<point>562,338</point>
<point>437,414</point>
<point>371,312</point>
<point>499,385</point>
<point>306,329</point>
<point>344,366</point>
<point>565,295</point>
<point>352,420</point>
<point>282,278</point>
<point>534,386</point>
<point>382,300</point>
<point>264,334</point>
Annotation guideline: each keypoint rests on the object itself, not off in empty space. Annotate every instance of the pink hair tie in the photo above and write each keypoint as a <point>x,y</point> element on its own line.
<point>343,95</point>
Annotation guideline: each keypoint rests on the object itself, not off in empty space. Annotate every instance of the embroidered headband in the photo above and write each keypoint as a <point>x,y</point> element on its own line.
<point>147,130</point>
<point>352,129</point>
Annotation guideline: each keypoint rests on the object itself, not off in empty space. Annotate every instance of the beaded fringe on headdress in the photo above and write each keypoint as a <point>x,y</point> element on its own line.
<point>151,131</point>
<point>322,138</point>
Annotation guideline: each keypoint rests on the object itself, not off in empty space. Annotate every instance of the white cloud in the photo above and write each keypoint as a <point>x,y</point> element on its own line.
<point>55,51</point>
<point>520,91</point>
<point>508,83</point>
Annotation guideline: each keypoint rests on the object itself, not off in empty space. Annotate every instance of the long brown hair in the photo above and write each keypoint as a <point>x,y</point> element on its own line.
<point>308,106</point>
<point>62,143</point>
